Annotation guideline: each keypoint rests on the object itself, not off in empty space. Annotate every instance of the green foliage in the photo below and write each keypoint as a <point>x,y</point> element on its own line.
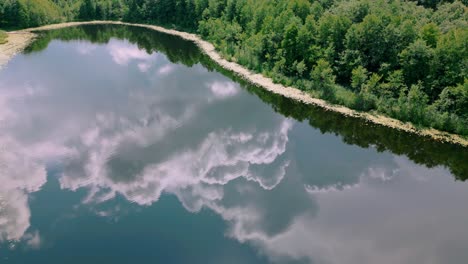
<point>358,78</point>
<point>430,34</point>
<point>406,59</point>
<point>416,60</point>
<point>3,37</point>
<point>87,10</point>
<point>323,79</point>
<point>28,13</point>
<point>322,74</point>
<point>454,100</point>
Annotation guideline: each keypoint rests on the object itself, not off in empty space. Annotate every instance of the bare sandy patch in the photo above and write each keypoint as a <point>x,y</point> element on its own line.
<point>254,78</point>
<point>16,42</point>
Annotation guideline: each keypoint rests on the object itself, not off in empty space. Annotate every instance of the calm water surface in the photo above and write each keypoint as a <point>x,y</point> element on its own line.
<point>122,145</point>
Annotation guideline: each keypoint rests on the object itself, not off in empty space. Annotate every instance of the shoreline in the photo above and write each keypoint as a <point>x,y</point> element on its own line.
<point>20,43</point>
<point>16,43</point>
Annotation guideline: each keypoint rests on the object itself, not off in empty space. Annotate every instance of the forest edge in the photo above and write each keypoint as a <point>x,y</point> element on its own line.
<point>19,40</point>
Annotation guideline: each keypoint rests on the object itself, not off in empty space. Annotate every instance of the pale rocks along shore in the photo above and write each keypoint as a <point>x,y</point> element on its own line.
<point>19,40</point>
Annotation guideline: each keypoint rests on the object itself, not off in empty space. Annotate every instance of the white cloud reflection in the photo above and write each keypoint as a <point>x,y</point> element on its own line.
<point>33,240</point>
<point>91,144</point>
<point>367,223</point>
<point>144,66</point>
<point>223,89</point>
<point>123,52</point>
<point>85,48</point>
<point>166,69</point>
<point>20,173</point>
<point>222,157</point>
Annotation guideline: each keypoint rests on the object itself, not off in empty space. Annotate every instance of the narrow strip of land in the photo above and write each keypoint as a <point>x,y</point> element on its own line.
<point>18,40</point>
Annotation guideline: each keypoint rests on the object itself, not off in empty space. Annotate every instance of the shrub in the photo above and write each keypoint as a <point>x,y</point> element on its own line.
<point>3,37</point>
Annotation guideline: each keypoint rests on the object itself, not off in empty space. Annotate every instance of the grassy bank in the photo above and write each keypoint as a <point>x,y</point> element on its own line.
<point>3,37</point>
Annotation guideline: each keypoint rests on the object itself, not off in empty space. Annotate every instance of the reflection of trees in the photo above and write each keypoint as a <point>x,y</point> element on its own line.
<point>355,131</point>
<point>359,132</point>
<point>352,130</point>
<point>174,48</point>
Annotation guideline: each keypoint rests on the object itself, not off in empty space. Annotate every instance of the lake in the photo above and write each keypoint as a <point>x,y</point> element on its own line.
<point>124,145</point>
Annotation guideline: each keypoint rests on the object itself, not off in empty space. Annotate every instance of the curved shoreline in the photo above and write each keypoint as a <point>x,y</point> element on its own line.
<point>254,78</point>
<point>16,42</point>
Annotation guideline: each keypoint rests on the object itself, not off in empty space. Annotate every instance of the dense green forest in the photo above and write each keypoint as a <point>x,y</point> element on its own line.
<point>405,59</point>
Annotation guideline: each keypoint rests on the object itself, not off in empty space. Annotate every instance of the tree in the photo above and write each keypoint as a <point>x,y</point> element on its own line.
<point>289,44</point>
<point>430,33</point>
<point>323,79</point>
<point>87,10</point>
<point>417,102</point>
<point>359,77</point>
<point>454,99</point>
<point>416,61</point>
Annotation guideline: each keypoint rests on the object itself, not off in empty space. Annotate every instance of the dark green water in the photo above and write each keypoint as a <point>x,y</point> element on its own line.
<point>123,145</point>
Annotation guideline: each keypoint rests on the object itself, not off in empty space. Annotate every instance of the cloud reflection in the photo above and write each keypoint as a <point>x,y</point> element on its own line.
<point>214,147</point>
<point>123,52</point>
<point>221,157</point>
<point>166,69</point>
<point>366,223</point>
<point>98,148</point>
<point>223,89</point>
<point>85,48</point>
<point>144,66</point>
<point>20,173</point>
